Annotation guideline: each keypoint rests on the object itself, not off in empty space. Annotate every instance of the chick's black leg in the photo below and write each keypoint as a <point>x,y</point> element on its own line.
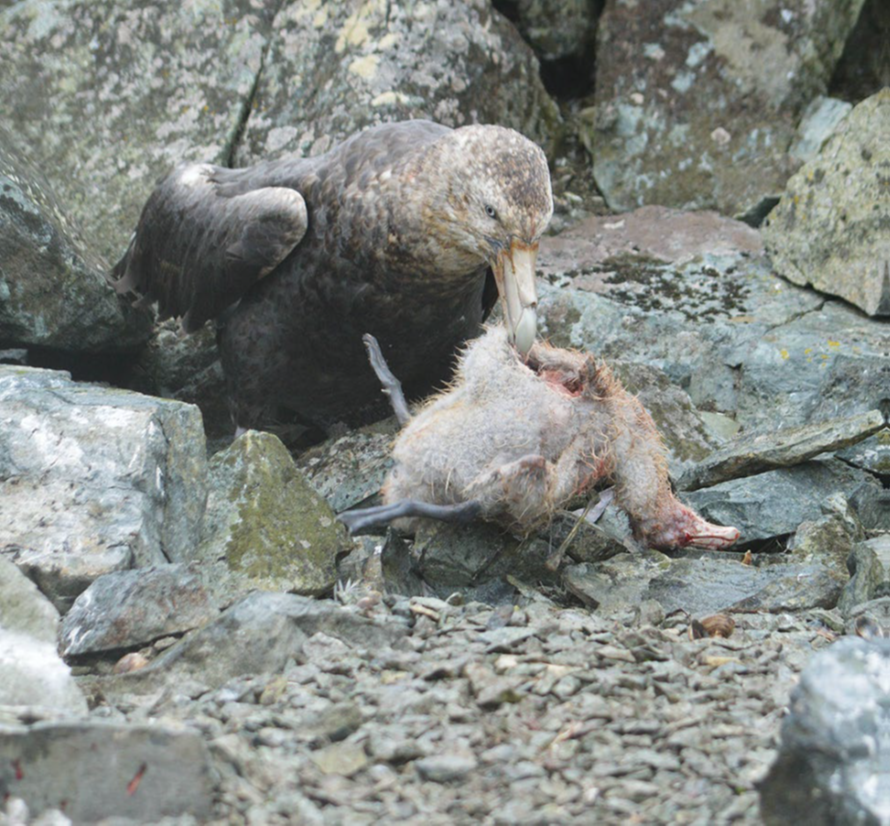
<point>361,521</point>
<point>391,385</point>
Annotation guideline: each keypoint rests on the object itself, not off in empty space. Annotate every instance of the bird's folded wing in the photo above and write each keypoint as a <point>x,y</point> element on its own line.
<point>201,243</point>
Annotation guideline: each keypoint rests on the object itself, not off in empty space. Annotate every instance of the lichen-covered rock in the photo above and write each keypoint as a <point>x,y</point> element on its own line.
<point>347,470</point>
<point>697,102</point>
<point>691,294</point>
<point>94,479</point>
<point>832,227</point>
<point>818,122</point>
<point>107,96</point>
<point>274,530</point>
<point>678,422</point>
<point>333,68</point>
<point>52,293</point>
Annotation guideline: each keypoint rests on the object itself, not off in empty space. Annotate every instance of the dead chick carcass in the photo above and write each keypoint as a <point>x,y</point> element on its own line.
<point>513,440</point>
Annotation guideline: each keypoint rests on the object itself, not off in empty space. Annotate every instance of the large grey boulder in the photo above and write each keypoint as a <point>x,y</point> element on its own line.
<point>832,227</point>
<point>832,762</point>
<point>95,771</point>
<point>333,68</point>
<point>94,479</point>
<point>774,504</point>
<point>52,291</point>
<point>697,102</point>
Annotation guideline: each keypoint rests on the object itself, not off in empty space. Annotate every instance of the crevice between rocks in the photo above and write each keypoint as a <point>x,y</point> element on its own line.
<point>234,144</point>
<point>797,316</point>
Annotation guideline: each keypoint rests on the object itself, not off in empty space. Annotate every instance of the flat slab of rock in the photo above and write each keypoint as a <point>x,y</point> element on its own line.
<point>271,526</point>
<point>656,232</point>
<point>94,479</point>
<point>130,608</point>
<point>832,227</point>
<point>257,635</point>
<point>775,503</point>
<point>707,585</point>
<point>783,448</point>
<point>93,771</point>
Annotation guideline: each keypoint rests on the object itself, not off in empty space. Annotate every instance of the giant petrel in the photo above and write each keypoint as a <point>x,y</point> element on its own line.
<point>408,231</point>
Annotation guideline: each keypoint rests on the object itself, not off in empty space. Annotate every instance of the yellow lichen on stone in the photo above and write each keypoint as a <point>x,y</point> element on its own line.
<point>390,98</point>
<point>365,67</point>
<point>356,28</point>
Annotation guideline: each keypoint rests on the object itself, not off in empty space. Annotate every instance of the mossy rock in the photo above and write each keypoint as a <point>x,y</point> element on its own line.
<point>266,520</point>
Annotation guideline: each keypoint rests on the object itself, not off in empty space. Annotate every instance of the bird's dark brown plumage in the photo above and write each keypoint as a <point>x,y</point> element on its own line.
<point>395,232</point>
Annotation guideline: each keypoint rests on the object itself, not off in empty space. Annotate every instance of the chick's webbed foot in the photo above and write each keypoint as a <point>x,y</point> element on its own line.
<point>366,519</point>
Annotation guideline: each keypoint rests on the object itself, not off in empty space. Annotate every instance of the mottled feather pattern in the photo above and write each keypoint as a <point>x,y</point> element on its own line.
<point>367,238</point>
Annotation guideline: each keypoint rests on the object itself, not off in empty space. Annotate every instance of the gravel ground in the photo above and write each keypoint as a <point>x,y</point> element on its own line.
<point>531,714</point>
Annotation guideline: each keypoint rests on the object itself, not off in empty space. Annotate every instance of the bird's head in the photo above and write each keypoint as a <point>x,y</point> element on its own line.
<point>495,206</point>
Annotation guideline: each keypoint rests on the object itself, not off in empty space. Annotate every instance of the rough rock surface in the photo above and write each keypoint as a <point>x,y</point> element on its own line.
<point>333,68</point>
<point>555,29</point>
<point>108,96</point>
<point>126,609</point>
<point>274,531</point>
<point>774,504</point>
<point>465,677</point>
<point>94,479</point>
<point>52,292</point>
<point>259,634</point>
<point>23,608</point>
<point>832,227</point>
<point>720,324</point>
<point>685,116</point>
<point>784,448</point>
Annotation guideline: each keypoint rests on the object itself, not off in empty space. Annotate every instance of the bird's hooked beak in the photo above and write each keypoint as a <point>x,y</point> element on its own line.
<point>514,273</point>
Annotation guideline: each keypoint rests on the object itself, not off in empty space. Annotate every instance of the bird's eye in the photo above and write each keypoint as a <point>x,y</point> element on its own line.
<point>490,211</point>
